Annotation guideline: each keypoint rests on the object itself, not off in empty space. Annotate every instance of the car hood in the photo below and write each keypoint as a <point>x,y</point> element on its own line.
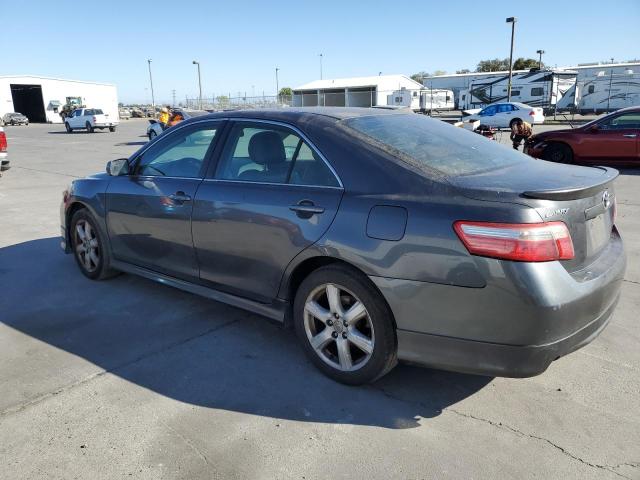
<point>515,183</point>
<point>554,133</point>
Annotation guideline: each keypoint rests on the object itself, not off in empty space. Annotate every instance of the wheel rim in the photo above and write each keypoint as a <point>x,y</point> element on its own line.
<point>87,246</point>
<point>338,327</point>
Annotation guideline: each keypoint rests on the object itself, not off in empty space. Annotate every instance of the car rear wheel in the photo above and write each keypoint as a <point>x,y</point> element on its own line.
<point>558,152</point>
<point>88,247</point>
<point>68,127</point>
<point>345,326</point>
<point>112,129</point>
<point>89,127</point>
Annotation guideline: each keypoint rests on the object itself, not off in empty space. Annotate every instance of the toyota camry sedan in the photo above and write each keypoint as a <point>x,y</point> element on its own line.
<point>378,235</point>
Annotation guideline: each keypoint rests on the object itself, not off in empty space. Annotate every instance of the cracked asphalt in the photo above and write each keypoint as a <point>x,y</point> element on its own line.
<point>131,379</point>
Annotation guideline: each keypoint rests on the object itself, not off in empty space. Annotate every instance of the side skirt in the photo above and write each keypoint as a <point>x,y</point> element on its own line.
<point>274,311</point>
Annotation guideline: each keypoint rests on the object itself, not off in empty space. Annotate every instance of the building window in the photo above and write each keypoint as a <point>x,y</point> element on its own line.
<point>515,93</point>
<point>591,89</point>
<point>537,92</point>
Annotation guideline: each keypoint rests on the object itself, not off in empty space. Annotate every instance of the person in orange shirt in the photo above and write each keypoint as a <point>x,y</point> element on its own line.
<point>176,118</point>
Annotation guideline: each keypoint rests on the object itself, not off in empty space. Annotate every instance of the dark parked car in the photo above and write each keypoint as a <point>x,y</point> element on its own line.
<point>613,139</point>
<point>379,235</point>
<point>15,118</point>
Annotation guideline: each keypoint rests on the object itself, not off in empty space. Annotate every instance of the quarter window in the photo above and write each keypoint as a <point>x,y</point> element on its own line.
<point>271,154</point>
<point>181,154</point>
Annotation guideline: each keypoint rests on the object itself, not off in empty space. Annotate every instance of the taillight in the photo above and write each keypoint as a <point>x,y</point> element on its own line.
<point>3,142</point>
<point>532,113</point>
<point>521,242</point>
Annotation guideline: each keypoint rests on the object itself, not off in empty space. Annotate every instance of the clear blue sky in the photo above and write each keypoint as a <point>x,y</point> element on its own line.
<point>239,43</point>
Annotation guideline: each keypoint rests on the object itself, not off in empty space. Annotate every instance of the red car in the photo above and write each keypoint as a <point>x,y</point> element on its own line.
<point>612,139</point>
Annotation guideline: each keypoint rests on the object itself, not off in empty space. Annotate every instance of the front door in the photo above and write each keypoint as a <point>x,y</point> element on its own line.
<point>149,211</point>
<point>272,196</point>
<point>615,139</point>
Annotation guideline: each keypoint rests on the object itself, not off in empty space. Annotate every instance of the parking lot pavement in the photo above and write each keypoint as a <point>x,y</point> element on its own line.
<point>129,378</point>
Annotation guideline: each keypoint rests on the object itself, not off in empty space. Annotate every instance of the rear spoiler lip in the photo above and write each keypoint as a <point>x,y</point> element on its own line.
<point>610,174</point>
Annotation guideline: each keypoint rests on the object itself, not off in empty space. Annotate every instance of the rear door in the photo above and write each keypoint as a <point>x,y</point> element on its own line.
<point>149,211</point>
<point>615,140</point>
<point>271,196</point>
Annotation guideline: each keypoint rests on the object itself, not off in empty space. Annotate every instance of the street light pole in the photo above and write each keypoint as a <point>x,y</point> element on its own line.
<point>277,86</point>
<point>153,101</point>
<point>512,21</point>
<point>540,52</point>
<point>320,55</point>
<point>199,85</point>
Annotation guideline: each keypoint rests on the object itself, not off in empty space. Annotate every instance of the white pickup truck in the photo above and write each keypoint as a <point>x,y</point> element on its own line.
<point>89,119</point>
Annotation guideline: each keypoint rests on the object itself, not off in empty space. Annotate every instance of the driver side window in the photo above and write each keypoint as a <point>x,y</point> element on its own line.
<point>181,154</point>
<point>622,122</point>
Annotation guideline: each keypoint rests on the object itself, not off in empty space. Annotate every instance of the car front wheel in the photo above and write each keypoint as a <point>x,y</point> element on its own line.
<point>68,127</point>
<point>558,152</point>
<point>88,247</point>
<point>345,326</point>
<point>152,134</point>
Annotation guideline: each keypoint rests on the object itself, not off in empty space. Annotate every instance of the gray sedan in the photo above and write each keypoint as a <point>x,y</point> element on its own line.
<point>378,235</point>
<point>15,118</point>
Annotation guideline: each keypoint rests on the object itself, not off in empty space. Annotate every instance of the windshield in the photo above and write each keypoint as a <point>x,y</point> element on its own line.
<point>434,144</point>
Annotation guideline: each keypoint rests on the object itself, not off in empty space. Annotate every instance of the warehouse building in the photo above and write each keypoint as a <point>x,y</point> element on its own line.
<point>41,98</point>
<point>351,92</point>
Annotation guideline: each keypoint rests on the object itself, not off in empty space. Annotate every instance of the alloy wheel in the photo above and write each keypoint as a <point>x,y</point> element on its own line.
<point>87,246</point>
<point>338,327</point>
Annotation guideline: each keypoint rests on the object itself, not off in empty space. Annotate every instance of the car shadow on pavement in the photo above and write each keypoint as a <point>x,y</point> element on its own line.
<point>196,350</point>
<point>130,143</point>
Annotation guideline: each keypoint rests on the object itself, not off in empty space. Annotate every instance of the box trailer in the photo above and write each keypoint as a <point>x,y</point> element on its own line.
<point>422,100</point>
<point>537,88</point>
<point>602,92</point>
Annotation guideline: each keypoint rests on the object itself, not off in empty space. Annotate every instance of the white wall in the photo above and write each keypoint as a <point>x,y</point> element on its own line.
<point>95,95</point>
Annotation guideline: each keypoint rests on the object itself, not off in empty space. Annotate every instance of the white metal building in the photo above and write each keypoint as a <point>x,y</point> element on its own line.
<point>42,98</point>
<point>351,92</point>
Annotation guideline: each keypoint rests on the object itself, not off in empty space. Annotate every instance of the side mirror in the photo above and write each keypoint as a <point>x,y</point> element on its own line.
<point>118,167</point>
<point>594,129</point>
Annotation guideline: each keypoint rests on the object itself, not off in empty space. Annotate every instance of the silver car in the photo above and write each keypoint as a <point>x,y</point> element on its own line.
<point>155,127</point>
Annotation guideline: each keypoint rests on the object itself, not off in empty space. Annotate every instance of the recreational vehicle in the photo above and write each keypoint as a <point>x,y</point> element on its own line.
<point>538,88</point>
<point>602,92</point>
<point>424,100</point>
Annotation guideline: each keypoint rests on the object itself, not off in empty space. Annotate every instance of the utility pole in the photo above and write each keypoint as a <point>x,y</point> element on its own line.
<point>199,85</point>
<point>320,55</point>
<point>153,101</point>
<point>609,96</point>
<point>512,21</point>
<point>173,94</point>
<point>540,52</point>
<point>277,86</point>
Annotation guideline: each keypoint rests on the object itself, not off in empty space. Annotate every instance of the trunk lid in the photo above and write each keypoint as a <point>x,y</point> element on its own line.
<point>582,197</point>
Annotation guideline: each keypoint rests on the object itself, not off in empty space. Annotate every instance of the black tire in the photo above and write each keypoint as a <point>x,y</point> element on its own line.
<point>384,353</point>
<point>68,127</point>
<point>558,152</point>
<point>112,129</point>
<point>89,127</point>
<point>101,269</point>
<point>152,134</point>
<point>513,121</point>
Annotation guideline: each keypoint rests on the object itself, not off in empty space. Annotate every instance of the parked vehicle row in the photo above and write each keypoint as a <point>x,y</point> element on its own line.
<point>451,251</point>
<point>89,119</point>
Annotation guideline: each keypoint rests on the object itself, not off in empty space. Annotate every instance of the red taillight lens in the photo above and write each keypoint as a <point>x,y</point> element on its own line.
<point>3,142</point>
<point>532,113</point>
<point>521,242</point>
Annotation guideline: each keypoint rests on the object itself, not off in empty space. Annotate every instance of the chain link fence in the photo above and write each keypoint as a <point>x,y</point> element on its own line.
<point>224,102</point>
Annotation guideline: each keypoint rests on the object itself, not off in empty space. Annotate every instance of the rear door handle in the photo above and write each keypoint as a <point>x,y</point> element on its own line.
<point>630,135</point>
<point>306,209</point>
<point>180,197</point>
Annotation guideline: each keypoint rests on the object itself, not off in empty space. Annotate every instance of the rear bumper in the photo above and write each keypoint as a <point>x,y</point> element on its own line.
<point>105,125</point>
<point>4,162</point>
<point>526,316</point>
<point>494,359</point>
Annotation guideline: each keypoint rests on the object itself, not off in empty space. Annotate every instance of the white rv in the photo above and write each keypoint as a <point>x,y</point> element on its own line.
<point>602,92</point>
<point>538,88</point>
<point>424,100</point>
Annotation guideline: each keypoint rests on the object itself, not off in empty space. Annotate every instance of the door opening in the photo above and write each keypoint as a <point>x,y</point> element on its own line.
<point>27,99</point>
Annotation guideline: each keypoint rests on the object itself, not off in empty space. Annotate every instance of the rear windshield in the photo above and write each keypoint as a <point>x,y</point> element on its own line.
<point>434,144</point>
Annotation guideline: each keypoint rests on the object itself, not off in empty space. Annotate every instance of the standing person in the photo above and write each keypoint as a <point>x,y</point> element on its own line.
<point>520,131</point>
<point>164,117</point>
<point>176,117</point>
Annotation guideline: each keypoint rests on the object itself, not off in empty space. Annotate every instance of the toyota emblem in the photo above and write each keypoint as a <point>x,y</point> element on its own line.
<point>606,199</point>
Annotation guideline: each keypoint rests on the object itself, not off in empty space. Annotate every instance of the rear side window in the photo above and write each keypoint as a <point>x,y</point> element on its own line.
<point>433,144</point>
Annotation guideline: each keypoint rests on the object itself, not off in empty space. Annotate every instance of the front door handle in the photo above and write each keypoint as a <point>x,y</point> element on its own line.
<point>180,197</point>
<point>306,209</point>
<point>630,135</point>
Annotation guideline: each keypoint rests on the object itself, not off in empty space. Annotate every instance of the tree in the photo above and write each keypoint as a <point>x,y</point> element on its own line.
<point>222,99</point>
<point>525,63</point>
<point>419,76</point>
<point>439,72</point>
<point>494,65</point>
<point>285,92</point>
<point>464,70</point>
